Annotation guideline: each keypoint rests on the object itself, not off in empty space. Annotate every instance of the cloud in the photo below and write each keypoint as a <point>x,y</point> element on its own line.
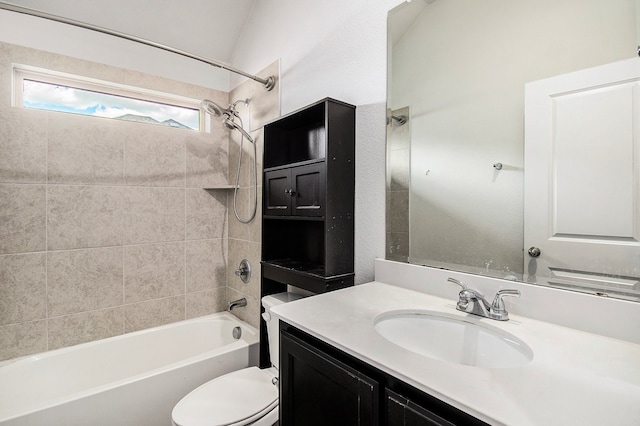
<point>62,98</point>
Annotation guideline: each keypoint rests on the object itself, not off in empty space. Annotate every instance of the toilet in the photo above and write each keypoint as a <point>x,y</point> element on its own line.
<point>243,397</point>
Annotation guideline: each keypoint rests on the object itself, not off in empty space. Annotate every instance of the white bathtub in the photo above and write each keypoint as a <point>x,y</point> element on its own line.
<point>134,379</point>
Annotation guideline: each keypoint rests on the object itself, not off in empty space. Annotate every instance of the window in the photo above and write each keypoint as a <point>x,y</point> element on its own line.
<point>42,89</point>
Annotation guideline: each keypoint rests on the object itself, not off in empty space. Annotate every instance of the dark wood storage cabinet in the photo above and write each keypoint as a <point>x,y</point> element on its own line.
<point>323,391</point>
<point>321,385</point>
<point>308,199</point>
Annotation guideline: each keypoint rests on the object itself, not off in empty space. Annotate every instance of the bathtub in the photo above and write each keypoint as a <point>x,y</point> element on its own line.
<point>134,379</point>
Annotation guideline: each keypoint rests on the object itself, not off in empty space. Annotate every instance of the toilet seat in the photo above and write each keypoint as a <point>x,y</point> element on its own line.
<point>234,399</point>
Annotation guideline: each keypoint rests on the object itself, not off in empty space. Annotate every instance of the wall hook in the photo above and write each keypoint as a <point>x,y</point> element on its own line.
<point>497,166</point>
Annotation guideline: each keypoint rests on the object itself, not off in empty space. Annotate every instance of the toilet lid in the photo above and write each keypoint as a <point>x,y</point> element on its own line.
<point>240,395</point>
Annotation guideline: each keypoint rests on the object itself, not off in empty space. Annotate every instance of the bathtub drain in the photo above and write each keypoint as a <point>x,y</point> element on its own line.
<point>237,332</point>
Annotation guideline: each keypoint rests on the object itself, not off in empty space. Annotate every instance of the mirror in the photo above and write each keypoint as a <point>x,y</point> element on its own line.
<point>457,71</point>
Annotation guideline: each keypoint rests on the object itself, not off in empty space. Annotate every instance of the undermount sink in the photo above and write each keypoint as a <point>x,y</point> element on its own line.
<point>453,339</point>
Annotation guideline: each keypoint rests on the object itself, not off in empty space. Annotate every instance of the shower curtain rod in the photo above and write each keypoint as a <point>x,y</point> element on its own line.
<point>268,82</point>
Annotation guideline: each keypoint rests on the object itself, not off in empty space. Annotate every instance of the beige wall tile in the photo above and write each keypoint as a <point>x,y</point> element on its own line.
<point>153,313</point>
<point>249,313</point>
<point>398,169</point>
<point>23,144</point>
<point>85,150</point>
<point>84,280</point>
<point>244,208</point>
<point>153,271</point>
<point>155,156</point>
<point>206,213</point>
<point>22,218</point>
<point>241,93</point>
<point>153,215</point>
<point>258,137</point>
<point>206,302</point>
<point>207,156</point>
<point>112,187</point>
<point>153,82</point>
<point>397,246</point>
<point>255,227</point>
<point>84,216</point>
<point>398,211</point>
<point>23,288</point>
<point>85,327</point>
<point>206,264</point>
<point>67,64</point>
<point>22,339</point>
<point>265,105</point>
<point>239,250</point>
<point>6,75</point>
<point>246,164</point>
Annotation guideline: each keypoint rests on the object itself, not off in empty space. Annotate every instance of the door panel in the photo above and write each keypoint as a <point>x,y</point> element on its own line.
<point>318,390</point>
<point>309,187</point>
<point>582,185</point>
<point>593,162</point>
<point>277,197</point>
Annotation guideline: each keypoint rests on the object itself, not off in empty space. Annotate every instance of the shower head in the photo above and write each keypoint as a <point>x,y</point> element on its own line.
<point>230,124</point>
<point>213,108</point>
<point>227,114</point>
<point>216,110</point>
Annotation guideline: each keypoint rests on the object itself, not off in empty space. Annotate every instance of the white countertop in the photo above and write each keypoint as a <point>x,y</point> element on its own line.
<point>575,377</point>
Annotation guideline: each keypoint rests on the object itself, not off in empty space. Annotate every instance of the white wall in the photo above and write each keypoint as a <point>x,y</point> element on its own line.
<point>333,48</point>
<point>50,36</point>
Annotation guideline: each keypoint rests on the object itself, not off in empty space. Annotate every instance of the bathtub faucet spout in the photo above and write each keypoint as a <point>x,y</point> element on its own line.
<point>237,304</point>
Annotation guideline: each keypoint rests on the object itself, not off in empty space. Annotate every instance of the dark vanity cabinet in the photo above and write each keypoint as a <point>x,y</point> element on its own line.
<point>308,199</point>
<point>322,390</point>
<point>401,411</point>
<point>321,385</point>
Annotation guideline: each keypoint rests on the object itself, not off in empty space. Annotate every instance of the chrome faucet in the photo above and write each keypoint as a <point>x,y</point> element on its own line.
<point>237,303</point>
<point>473,302</point>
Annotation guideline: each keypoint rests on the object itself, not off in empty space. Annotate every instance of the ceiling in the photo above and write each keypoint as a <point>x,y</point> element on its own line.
<point>209,28</point>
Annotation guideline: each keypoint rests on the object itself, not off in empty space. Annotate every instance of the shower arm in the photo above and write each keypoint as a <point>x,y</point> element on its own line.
<point>268,82</point>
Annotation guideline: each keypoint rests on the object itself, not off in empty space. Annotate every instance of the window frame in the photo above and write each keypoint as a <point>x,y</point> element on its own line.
<point>26,72</point>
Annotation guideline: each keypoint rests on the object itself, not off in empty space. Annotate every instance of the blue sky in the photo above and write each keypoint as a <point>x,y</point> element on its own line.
<point>68,99</point>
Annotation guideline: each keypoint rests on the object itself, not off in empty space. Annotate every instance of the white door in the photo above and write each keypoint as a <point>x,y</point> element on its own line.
<point>582,178</point>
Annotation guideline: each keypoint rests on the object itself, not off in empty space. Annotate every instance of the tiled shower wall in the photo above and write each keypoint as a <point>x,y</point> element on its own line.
<point>245,240</point>
<point>397,188</point>
<point>105,227</point>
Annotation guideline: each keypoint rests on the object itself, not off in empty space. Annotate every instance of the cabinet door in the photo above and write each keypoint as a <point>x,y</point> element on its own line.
<point>309,190</point>
<point>278,192</point>
<point>318,390</point>
<point>402,412</point>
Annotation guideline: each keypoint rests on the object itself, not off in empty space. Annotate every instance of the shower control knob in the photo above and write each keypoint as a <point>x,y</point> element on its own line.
<point>534,252</point>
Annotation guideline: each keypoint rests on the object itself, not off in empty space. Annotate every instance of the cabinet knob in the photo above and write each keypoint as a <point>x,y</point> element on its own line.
<point>290,192</point>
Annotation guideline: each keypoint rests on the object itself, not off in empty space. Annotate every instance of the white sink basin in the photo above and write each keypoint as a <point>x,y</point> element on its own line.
<point>452,339</point>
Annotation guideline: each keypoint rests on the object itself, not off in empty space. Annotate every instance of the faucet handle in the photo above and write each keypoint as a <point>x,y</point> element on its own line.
<point>463,297</point>
<point>460,283</point>
<point>497,307</point>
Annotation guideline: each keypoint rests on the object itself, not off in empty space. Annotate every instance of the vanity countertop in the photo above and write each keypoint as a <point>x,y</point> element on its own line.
<point>575,377</point>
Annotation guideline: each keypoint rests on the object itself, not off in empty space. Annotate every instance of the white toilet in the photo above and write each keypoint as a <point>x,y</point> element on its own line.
<point>243,397</point>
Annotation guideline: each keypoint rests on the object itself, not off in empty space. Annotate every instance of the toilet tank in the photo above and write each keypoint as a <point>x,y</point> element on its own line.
<point>273,331</point>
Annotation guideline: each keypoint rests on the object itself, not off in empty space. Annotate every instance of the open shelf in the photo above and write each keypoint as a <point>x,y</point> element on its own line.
<point>308,199</point>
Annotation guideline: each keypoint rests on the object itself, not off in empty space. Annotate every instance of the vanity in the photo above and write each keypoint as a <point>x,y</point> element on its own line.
<point>340,366</point>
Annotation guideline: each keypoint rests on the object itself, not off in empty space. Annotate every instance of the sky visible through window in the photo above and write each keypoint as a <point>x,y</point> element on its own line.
<point>54,97</point>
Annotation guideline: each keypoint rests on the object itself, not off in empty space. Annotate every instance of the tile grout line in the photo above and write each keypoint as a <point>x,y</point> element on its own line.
<point>46,233</point>
<point>123,328</point>
<point>185,228</point>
